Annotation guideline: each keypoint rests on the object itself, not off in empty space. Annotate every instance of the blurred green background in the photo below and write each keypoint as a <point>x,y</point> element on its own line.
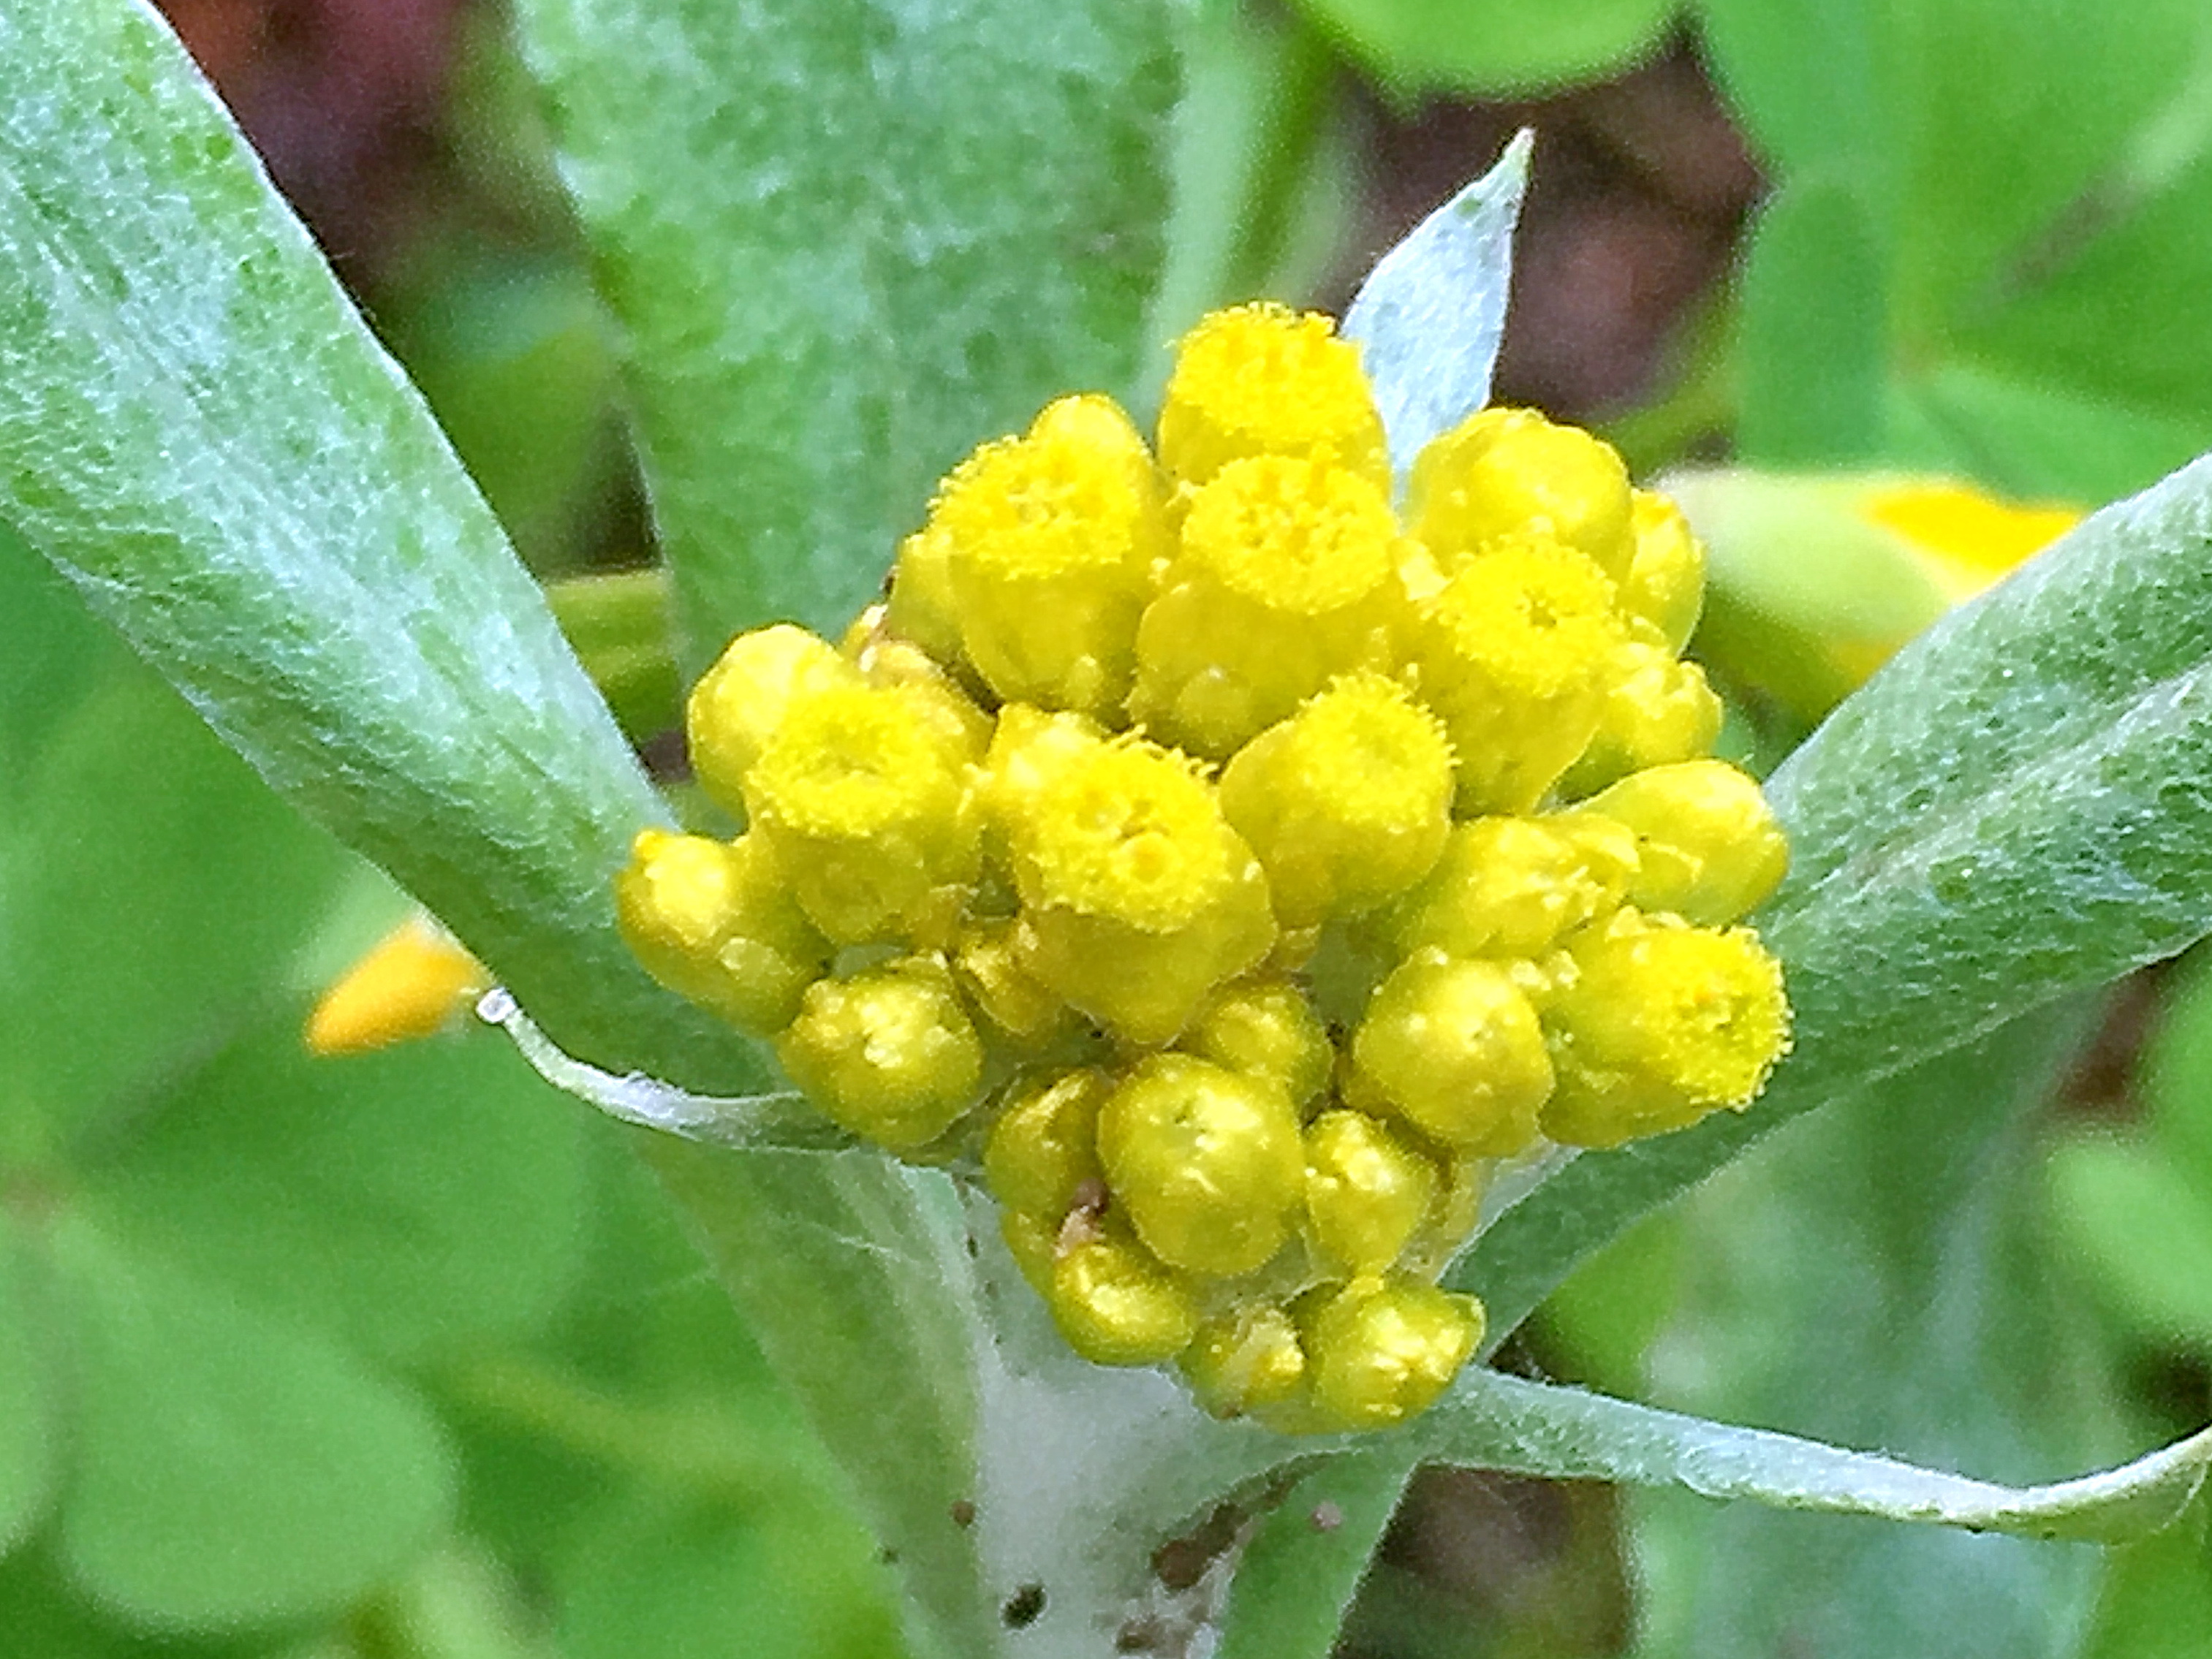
<point>402,1357</point>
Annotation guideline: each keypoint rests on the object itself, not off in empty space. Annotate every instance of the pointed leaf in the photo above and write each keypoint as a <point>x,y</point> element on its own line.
<point>1492,1421</point>
<point>1430,315</point>
<point>845,243</point>
<point>197,428</point>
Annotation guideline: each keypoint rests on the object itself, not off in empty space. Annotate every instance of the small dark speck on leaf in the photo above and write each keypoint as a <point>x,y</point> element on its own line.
<point>963,1512</point>
<point>1023,1608</point>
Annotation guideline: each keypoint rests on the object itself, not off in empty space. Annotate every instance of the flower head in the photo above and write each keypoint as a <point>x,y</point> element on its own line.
<point>1235,867</point>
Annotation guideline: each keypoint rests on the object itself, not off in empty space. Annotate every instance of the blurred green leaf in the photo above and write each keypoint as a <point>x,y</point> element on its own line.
<point>196,428</point>
<point>721,1582</point>
<point>2157,1600</point>
<point>2020,805</point>
<point>1494,46</point>
<point>412,1201</point>
<point>154,889</point>
<point>2145,1225</point>
<point>2035,439</point>
<point>229,1468</point>
<point>2136,1204</point>
<point>28,1437</point>
<point>845,245</point>
<point>508,350</point>
<point>1876,1276</point>
<point>617,622</point>
<point>1813,333</point>
<point>2033,178</point>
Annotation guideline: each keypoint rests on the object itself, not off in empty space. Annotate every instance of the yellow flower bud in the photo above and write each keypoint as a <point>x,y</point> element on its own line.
<point>887,1053</point>
<point>1510,887</point>
<point>1346,803</point>
<point>1137,898</point>
<point>1661,1023</point>
<point>1050,540</point>
<point>1379,1353</point>
<point>1456,1049</point>
<point>1259,379</point>
<point>922,607</point>
<point>1117,1306</point>
<point>1708,846</point>
<point>959,726</point>
<point>1286,577</point>
<point>1510,655</point>
<point>1265,1028</point>
<point>988,962</point>
<point>1043,1149</point>
<point>740,703</point>
<point>1366,1190</point>
<point>1508,472</point>
<point>868,813</point>
<point>1658,711</point>
<point>716,922</point>
<point>1206,1164</point>
<point>1244,1360</point>
<point>1666,583</point>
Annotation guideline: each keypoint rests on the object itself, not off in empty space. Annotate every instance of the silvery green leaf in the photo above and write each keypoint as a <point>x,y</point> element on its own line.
<point>1430,315</point>
<point>1492,1421</point>
<point>198,430</point>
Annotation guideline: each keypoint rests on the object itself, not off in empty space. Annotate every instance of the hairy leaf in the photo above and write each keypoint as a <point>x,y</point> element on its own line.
<point>197,428</point>
<point>844,242</point>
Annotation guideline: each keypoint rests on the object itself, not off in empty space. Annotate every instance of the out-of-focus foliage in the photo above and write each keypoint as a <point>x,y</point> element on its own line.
<point>403,1356</point>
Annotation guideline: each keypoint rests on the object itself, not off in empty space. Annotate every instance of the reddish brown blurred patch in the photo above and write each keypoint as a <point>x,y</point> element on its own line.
<point>1639,193</point>
<point>341,98</point>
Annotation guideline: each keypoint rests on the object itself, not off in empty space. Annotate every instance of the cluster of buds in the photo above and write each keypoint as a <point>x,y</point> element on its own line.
<point>1237,868</point>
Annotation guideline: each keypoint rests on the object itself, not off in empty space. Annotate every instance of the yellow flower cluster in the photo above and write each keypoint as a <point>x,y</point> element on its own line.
<point>1240,866</point>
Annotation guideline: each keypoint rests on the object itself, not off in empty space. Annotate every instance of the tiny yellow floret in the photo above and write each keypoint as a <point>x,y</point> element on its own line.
<point>1661,1024</point>
<point>868,808</point>
<point>1260,380</point>
<point>1367,1190</point>
<point>1510,655</point>
<point>1509,888</point>
<point>1286,577</point>
<point>1050,541</point>
<point>716,921</point>
<point>1509,472</point>
<point>1708,846</point>
<point>1245,1360</point>
<point>1380,1353</point>
<point>1347,803</point>
<point>740,703</point>
<point>1117,1306</point>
